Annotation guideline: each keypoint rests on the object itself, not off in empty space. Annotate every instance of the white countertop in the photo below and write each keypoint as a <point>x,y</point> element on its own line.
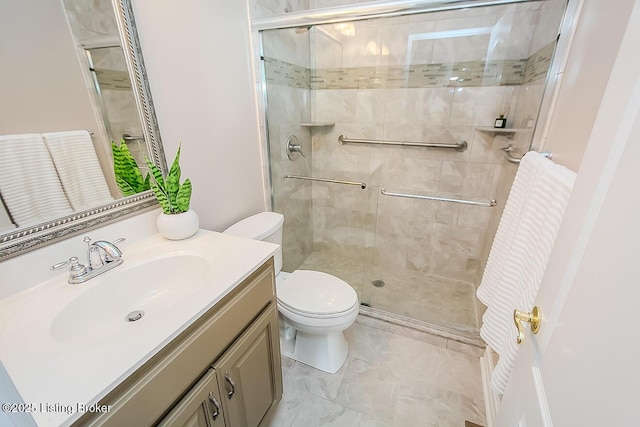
<point>55,379</point>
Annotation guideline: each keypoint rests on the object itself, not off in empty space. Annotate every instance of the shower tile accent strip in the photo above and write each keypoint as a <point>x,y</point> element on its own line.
<point>285,74</point>
<point>473,73</point>
<point>113,79</point>
<point>538,64</point>
<point>511,72</point>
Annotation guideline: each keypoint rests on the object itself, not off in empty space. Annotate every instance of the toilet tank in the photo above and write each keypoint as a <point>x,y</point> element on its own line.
<point>266,226</point>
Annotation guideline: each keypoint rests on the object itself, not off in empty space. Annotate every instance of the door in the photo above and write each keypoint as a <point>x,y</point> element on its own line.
<point>582,368</point>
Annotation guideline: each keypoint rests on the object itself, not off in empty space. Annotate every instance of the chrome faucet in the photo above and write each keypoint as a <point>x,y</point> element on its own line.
<point>101,256</point>
<point>101,253</point>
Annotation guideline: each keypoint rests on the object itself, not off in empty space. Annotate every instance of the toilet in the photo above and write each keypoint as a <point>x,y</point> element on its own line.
<point>315,307</point>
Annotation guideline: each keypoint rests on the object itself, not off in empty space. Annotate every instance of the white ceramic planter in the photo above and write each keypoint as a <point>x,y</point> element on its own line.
<point>178,226</point>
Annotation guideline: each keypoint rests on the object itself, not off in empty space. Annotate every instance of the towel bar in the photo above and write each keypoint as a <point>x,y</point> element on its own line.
<point>516,160</point>
<point>362,185</point>
<point>459,146</point>
<point>487,203</point>
<point>128,137</point>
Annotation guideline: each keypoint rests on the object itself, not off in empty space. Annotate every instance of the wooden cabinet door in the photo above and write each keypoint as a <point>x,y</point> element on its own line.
<point>200,407</point>
<point>249,373</point>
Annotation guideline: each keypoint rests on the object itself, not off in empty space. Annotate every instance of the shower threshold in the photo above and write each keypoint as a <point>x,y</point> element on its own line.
<point>469,338</point>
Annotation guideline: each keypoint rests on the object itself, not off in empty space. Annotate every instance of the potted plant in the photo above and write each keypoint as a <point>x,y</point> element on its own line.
<point>177,221</point>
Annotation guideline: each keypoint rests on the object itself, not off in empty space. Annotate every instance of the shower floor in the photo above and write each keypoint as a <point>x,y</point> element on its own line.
<point>432,299</point>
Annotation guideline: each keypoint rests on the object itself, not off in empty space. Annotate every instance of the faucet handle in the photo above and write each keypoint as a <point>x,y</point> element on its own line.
<point>87,240</point>
<point>71,261</point>
<point>76,269</point>
<point>121,239</point>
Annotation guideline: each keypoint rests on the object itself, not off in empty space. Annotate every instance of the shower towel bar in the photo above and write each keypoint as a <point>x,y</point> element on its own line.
<point>485,203</point>
<point>459,146</point>
<point>516,160</point>
<point>128,137</point>
<point>337,181</point>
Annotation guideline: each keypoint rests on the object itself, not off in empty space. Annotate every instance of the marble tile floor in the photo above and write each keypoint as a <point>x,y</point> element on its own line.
<point>389,379</point>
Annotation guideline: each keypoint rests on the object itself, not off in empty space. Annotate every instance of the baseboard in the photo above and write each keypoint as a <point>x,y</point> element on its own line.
<point>491,398</point>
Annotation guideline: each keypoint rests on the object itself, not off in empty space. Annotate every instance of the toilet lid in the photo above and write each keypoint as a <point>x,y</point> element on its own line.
<point>314,292</point>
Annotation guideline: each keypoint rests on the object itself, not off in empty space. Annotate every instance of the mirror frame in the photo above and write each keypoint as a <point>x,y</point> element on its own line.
<point>31,238</point>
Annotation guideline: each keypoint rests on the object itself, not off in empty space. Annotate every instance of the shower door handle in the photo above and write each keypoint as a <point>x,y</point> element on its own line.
<point>533,317</point>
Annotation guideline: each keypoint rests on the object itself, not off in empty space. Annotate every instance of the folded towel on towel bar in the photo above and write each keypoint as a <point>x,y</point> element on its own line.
<point>29,183</point>
<point>77,164</point>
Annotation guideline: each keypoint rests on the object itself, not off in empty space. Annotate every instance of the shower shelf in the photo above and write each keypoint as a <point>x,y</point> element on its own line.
<point>316,124</point>
<point>503,131</point>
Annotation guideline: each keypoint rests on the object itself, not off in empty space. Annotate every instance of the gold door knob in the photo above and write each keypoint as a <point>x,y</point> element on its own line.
<point>534,318</point>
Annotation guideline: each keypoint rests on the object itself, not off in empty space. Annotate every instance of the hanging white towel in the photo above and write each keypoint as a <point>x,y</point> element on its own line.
<point>520,253</point>
<point>28,180</point>
<point>78,167</point>
<point>529,171</point>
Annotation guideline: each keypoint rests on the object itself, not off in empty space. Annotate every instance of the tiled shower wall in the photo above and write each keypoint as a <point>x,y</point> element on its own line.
<point>389,80</point>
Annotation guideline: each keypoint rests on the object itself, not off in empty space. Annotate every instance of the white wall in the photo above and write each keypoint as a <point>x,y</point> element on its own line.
<point>198,59</point>
<point>583,80</point>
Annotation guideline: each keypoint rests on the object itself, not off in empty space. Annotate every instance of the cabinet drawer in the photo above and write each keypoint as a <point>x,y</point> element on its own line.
<point>160,383</point>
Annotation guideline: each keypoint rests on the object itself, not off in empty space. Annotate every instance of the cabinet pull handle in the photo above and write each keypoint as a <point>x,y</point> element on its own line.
<point>227,376</point>
<point>216,405</point>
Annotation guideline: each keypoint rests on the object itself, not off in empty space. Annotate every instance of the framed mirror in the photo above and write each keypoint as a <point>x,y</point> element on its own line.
<point>73,82</point>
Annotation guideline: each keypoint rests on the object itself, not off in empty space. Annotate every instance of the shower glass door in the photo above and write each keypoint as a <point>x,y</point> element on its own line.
<point>354,104</point>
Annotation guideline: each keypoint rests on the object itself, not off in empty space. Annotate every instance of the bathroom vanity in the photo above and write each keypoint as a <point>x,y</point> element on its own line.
<point>224,370</point>
<point>205,352</point>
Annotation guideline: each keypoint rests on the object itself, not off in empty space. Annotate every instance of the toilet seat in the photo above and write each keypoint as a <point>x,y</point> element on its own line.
<point>316,294</point>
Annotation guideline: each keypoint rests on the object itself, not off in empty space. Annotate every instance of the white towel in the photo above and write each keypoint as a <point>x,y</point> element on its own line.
<point>529,171</point>
<point>519,254</point>
<point>78,167</point>
<point>28,181</point>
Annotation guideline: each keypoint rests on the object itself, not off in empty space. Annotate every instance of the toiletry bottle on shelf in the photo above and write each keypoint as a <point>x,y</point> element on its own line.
<point>500,122</point>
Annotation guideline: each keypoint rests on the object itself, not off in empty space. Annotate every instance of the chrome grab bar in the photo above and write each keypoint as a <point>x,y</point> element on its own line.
<point>128,137</point>
<point>516,160</point>
<point>487,203</point>
<point>459,146</point>
<point>336,181</point>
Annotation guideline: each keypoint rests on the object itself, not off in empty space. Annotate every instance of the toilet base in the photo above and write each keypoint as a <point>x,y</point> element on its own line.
<point>326,352</point>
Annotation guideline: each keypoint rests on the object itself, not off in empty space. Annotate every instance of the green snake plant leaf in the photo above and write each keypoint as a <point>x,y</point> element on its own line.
<point>184,196</point>
<point>147,182</point>
<point>157,174</point>
<point>127,172</point>
<point>173,180</point>
<point>162,198</point>
<point>125,187</point>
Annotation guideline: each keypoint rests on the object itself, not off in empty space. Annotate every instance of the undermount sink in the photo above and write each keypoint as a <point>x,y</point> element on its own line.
<point>146,291</point>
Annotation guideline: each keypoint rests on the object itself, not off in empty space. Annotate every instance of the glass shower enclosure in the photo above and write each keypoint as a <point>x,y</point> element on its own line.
<point>384,155</point>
